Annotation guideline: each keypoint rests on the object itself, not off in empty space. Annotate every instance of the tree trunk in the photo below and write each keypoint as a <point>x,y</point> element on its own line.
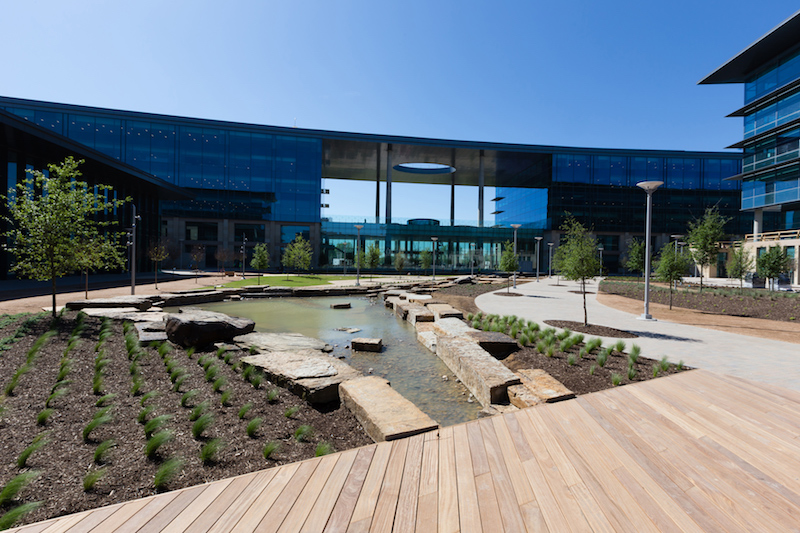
<point>86,287</point>
<point>670,296</point>
<point>701,281</point>
<point>156,275</point>
<point>585,315</point>
<point>54,295</point>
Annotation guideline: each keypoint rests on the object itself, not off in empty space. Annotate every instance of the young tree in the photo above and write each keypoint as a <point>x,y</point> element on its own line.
<point>635,256</point>
<point>425,260</point>
<point>772,263</point>
<point>703,238</point>
<point>157,252</point>
<point>198,254</point>
<point>671,266</point>
<point>399,261</point>
<point>509,262</point>
<point>58,224</point>
<point>373,258</point>
<point>741,263</point>
<point>576,257</point>
<point>102,253</point>
<point>297,255</point>
<point>260,259</point>
<point>223,255</point>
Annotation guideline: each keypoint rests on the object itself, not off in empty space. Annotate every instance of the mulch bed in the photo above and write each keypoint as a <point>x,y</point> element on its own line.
<point>591,329</point>
<point>753,303</point>
<point>66,459</point>
<point>502,293</point>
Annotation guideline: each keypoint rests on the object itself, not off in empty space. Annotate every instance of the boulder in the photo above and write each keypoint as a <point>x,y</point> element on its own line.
<point>366,345</point>
<point>193,327</point>
<point>281,342</point>
<point>461,280</point>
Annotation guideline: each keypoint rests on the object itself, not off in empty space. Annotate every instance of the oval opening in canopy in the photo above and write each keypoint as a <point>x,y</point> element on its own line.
<point>424,168</point>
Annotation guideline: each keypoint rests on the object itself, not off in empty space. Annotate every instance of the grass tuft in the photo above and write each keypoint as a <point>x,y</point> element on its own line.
<point>155,424</point>
<point>323,448</point>
<point>15,486</point>
<point>155,442</point>
<point>101,417</point>
<point>104,399</point>
<point>303,433</point>
<point>202,424</point>
<point>188,396</point>
<point>147,397</point>
<point>198,410</point>
<point>291,411</point>
<point>37,443</point>
<point>10,518</point>
<point>102,450</point>
<point>167,471</point>
<point>616,379</point>
<point>219,383</point>
<point>44,416</point>
<point>270,448</point>
<point>253,426</point>
<point>210,450</point>
<point>91,478</point>
<point>225,399</point>
<point>272,395</point>
<point>244,410</point>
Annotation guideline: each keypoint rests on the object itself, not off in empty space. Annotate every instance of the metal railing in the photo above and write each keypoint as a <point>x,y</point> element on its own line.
<point>773,236</point>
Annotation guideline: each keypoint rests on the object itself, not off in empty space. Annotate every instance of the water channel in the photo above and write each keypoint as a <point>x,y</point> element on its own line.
<point>412,369</point>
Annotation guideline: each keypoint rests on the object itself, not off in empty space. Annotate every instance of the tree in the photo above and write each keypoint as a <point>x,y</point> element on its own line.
<point>260,259</point>
<point>399,261</point>
<point>59,225</point>
<point>509,262</point>
<point>703,238</point>
<point>223,255</point>
<point>741,263</point>
<point>773,262</point>
<point>576,258</point>
<point>425,260</point>
<point>635,256</point>
<point>671,266</point>
<point>198,254</point>
<point>373,258</point>
<point>157,252</point>
<point>297,255</point>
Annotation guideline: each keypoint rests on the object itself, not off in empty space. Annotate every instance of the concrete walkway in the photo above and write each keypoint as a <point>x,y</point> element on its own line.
<point>748,357</point>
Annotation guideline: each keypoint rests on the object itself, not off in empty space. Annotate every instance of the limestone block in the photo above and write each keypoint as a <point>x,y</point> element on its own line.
<point>418,297</point>
<point>382,411</point>
<point>193,327</point>
<point>140,303</point>
<point>485,377</point>
<point>281,342</point>
<point>418,313</point>
<point>391,301</point>
<point>193,298</point>
<point>441,311</point>
<point>343,305</point>
<point>310,374</point>
<point>544,386</point>
<point>151,331</point>
<point>366,345</point>
<point>522,397</point>
<point>498,344</point>
<point>427,337</point>
<point>401,308</point>
<point>452,327</point>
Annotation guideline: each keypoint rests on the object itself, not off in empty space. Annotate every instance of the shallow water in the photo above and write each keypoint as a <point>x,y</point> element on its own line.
<point>413,371</point>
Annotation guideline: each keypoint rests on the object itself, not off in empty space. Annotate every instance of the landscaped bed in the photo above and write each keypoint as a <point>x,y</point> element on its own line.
<point>752,303</point>
<point>115,393</point>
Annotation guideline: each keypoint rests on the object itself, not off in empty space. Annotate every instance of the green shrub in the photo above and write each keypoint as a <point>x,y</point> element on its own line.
<point>101,417</point>
<point>43,416</point>
<point>635,353</point>
<point>91,478</point>
<point>10,518</point>
<point>253,426</point>
<point>177,373</point>
<point>227,358</point>
<point>97,384</point>
<point>179,383</point>
<point>244,410</point>
<point>291,411</point>
<point>211,373</point>
<point>188,396</point>
<point>190,352</point>
<point>156,441</point>
<point>664,364</point>
<point>248,371</point>
<point>680,365</point>
<point>655,370</point>
<point>592,369</point>
<point>219,383</point>
<point>619,346</point>
<point>631,373</point>
<point>571,359</point>
<point>256,380</point>
<point>15,486</point>
<point>202,424</point>
<point>551,350</point>
<point>163,349</point>
<point>35,445</point>
<point>323,448</point>
<point>144,414</point>
<point>155,424</point>
<point>270,448</point>
<point>167,471</point>
<point>63,372</point>
<point>602,357</point>
<point>102,450</point>
<point>272,395</point>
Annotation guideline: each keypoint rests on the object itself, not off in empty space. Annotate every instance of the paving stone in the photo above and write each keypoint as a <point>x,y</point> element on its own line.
<point>382,411</point>
<point>364,344</point>
<point>281,342</point>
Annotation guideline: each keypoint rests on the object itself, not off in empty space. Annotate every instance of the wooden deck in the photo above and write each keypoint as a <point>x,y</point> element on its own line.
<point>691,452</point>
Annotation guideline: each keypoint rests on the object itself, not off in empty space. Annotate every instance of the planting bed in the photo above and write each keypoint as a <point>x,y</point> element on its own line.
<point>66,458</point>
<point>752,303</point>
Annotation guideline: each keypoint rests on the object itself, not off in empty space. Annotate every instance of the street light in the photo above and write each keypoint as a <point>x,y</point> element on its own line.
<point>244,256</point>
<point>132,243</point>
<point>434,239</point>
<point>516,227</point>
<point>538,240</point>
<point>550,262</point>
<point>358,254</point>
<point>677,238</point>
<point>471,259</point>
<point>600,249</point>
<point>649,187</point>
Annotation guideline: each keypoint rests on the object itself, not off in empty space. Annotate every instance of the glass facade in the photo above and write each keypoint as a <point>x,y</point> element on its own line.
<point>782,71</point>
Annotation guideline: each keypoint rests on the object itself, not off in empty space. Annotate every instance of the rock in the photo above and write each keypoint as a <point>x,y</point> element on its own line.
<point>382,411</point>
<point>349,330</point>
<point>498,344</point>
<point>151,332</point>
<point>141,303</point>
<point>452,327</point>
<point>461,280</point>
<point>418,313</point>
<point>441,311</point>
<point>543,387</point>
<point>202,328</point>
<point>308,373</point>
<point>345,305</point>
<point>192,298</point>
<point>366,345</point>
<point>281,342</point>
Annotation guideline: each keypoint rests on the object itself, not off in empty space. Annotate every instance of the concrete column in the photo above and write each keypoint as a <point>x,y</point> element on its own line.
<point>758,224</point>
<point>480,192</point>
<point>453,199</point>
<point>378,185</point>
<point>389,184</point>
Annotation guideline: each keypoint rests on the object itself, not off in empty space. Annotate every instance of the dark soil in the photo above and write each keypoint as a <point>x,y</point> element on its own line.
<point>463,296</point>
<point>591,329</point>
<point>66,459</point>
<point>751,303</point>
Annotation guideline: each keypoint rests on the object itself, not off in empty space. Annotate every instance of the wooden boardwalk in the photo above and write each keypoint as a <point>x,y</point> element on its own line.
<point>694,451</point>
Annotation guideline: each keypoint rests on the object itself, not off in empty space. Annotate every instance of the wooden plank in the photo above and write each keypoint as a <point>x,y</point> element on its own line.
<point>239,504</point>
<point>429,475</point>
<point>480,464</point>
<point>522,488</point>
<point>33,528</point>
<point>196,508</point>
<point>323,507</point>
<point>406,515</point>
<point>133,515</point>
<point>274,517</point>
<point>448,485</point>
<point>254,512</point>
<point>506,499</point>
<point>491,520</point>
<point>520,444</point>
<point>346,502</point>
<point>368,498</point>
<point>237,488</point>
<point>308,497</point>
<point>427,513</point>
<point>91,519</point>
<point>383,518</point>
<point>64,524</point>
<point>468,512</point>
<point>185,497</point>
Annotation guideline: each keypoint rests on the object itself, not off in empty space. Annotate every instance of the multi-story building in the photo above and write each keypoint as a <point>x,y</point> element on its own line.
<point>770,178</point>
<point>233,185</point>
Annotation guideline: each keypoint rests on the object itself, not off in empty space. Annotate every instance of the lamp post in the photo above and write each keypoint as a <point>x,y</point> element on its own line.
<point>244,254</point>
<point>649,187</point>
<point>600,249</point>
<point>471,259</point>
<point>434,239</point>
<point>516,227</point>
<point>132,244</point>
<point>538,240</point>
<point>358,254</point>
<point>677,238</point>
<point>550,262</point>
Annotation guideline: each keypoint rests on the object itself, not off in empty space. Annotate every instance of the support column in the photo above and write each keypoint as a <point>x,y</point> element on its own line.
<point>480,192</point>
<point>378,185</point>
<point>758,224</point>
<point>453,189</point>
<point>389,184</point>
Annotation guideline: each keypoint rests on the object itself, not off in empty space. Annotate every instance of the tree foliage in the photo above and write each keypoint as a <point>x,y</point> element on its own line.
<point>223,255</point>
<point>297,254</point>
<point>158,251</point>
<point>425,259</point>
<point>576,257</point>
<point>671,266</point>
<point>772,263</point>
<point>740,263</point>
<point>399,261</point>
<point>59,225</point>
<point>260,260</point>
<point>509,262</point>
<point>373,256</point>
<point>634,259</point>
<point>704,237</point>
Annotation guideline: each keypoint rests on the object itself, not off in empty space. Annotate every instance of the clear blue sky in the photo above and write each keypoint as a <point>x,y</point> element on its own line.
<point>615,74</point>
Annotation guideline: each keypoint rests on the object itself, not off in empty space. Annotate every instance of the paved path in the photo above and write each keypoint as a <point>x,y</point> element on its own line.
<point>764,360</point>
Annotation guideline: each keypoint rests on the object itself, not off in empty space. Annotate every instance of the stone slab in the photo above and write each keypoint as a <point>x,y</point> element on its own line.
<point>192,298</point>
<point>418,297</point>
<point>366,345</point>
<point>452,327</point>
<point>441,311</point>
<point>418,313</point>
<point>543,386</point>
<point>522,397</point>
<point>140,303</point>
<point>349,330</point>
<point>151,332</point>
<point>382,411</point>
<point>498,344</point>
<point>485,377</point>
<point>281,342</point>
<point>310,374</point>
<point>401,308</point>
<point>344,305</point>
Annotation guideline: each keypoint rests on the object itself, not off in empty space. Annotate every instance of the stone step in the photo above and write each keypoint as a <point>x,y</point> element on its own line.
<point>540,387</point>
<point>441,311</point>
<point>342,305</point>
<point>418,313</point>
<point>382,411</point>
<point>366,345</point>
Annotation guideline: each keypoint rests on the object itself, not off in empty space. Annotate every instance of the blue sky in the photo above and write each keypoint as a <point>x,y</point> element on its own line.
<point>615,74</point>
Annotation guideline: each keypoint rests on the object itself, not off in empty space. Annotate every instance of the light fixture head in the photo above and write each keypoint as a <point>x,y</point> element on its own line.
<point>516,226</point>
<point>649,186</point>
<point>434,239</point>
<point>359,227</point>
<point>538,238</point>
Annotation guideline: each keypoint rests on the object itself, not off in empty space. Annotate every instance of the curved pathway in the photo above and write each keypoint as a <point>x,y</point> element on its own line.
<point>764,360</point>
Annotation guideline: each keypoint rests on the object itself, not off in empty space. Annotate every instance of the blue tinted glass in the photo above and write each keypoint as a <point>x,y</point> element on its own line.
<point>108,137</point>
<point>601,170</point>
<point>618,170</point>
<point>137,145</point>
<point>638,170</point>
<point>675,173</point>
<point>582,169</point>
<point>562,168</point>
<point>81,129</point>
<point>51,121</point>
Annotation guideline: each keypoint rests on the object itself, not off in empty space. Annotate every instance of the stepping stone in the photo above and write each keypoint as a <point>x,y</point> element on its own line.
<point>382,411</point>
<point>349,330</point>
<point>418,313</point>
<point>542,388</point>
<point>345,305</point>
<point>441,311</point>
<point>194,298</point>
<point>281,342</point>
<point>366,345</point>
